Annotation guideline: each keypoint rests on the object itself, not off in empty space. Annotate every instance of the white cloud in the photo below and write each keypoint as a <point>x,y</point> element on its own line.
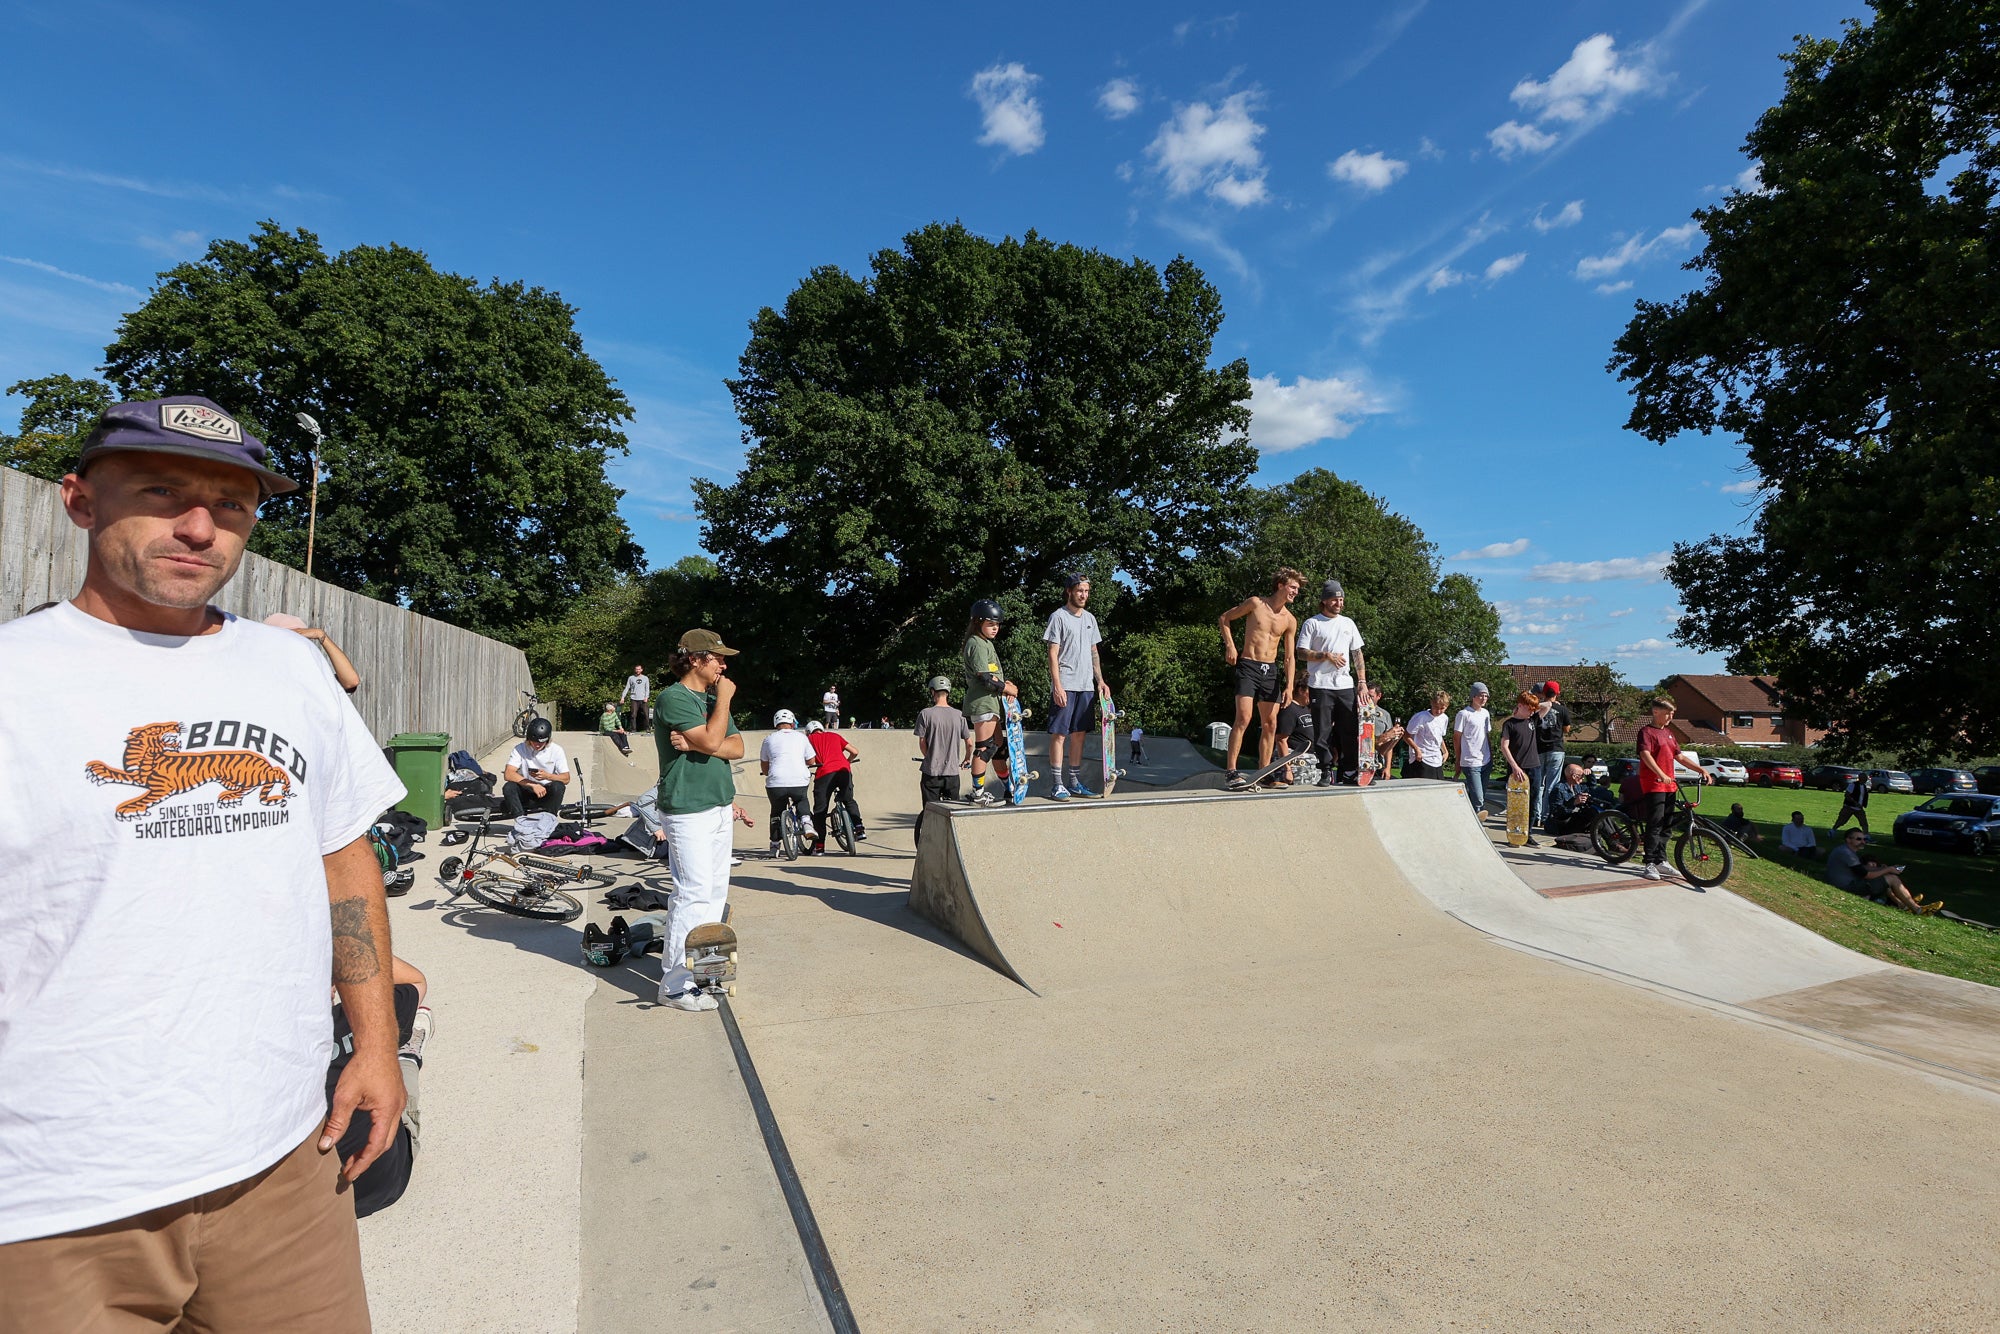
<point>1635,250</point>
<point>1645,648</point>
<point>1288,416</point>
<point>1118,99</point>
<point>175,245</point>
<point>1443,278</point>
<point>1568,216</point>
<point>1494,550</point>
<point>1622,611</point>
<point>1742,488</point>
<point>1369,171</point>
<point>1531,628</point>
<point>1512,138</point>
<point>1213,149</point>
<point>1428,150</point>
<point>1647,568</point>
<point>1007,108</point>
<point>1585,89</point>
<point>100,284</point>
<point>1505,265</point>
<point>1611,289</point>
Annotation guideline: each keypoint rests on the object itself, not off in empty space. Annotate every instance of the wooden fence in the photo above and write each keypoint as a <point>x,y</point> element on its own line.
<point>417,674</point>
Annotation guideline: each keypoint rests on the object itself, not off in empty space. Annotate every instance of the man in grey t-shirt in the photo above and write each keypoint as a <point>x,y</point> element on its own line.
<point>944,739</point>
<point>1847,869</point>
<point>1075,677</point>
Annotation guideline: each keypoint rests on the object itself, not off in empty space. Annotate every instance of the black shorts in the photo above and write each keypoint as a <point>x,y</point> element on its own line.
<point>1258,680</point>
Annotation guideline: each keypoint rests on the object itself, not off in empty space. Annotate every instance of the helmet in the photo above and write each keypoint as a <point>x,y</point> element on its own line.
<point>815,726</point>
<point>986,609</point>
<point>600,950</point>
<point>785,718</point>
<point>540,729</point>
<point>940,683</point>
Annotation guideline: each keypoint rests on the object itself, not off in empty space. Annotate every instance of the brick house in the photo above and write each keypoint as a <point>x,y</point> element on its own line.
<point>1586,710</point>
<point>1737,711</point>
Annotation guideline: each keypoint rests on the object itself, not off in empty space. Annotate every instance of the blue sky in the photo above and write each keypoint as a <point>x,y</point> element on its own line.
<point>1428,218</point>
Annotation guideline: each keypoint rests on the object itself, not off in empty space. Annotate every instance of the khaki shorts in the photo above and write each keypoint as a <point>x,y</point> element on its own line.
<point>279,1251</point>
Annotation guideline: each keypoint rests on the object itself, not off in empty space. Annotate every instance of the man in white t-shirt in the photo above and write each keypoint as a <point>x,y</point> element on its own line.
<point>829,708</point>
<point>537,773</point>
<point>786,760</point>
<point>1426,731</point>
<point>639,694</point>
<point>1331,645</point>
<point>1472,746</point>
<point>185,867</point>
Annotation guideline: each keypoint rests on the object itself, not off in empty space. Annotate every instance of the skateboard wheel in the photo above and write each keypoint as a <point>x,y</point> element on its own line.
<point>732,957</point>
<point>730,989</point>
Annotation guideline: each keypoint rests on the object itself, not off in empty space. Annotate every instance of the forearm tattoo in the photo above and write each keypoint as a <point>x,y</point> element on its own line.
<point>355,958</point>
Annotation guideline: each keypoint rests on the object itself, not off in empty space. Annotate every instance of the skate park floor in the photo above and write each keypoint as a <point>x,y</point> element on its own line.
<point>1274,1079</point>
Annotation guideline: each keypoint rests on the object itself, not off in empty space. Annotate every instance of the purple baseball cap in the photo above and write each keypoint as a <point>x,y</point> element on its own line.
<point>184,424</point>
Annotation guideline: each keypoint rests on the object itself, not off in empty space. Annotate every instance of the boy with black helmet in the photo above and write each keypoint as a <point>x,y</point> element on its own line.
<point>537,772</point>
<point>985,686</point>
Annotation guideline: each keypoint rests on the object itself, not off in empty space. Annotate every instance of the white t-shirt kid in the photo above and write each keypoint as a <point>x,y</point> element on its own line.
<point>550,759</point>
<point>786,751</point>
<point>1425,731</point>
<point>165,950</point>
<point>1473,730</point>
<point>1330,634</point>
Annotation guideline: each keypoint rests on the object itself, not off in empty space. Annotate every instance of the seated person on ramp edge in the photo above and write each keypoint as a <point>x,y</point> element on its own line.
<point>1268,639</point>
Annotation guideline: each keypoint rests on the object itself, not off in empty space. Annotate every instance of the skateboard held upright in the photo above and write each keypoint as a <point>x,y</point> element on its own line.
<point>1364,750</point>
<point>1517,811</point>
<point>1107,723</point>
<point>1018,776</point>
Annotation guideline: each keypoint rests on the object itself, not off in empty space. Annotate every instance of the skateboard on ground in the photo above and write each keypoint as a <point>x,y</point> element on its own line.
<point>1255,779</point>
<point>1517,811</point>
<point>1018,774</point>
<point>711,957</point>
<point>1107,724</point>
<point>1364,750</point>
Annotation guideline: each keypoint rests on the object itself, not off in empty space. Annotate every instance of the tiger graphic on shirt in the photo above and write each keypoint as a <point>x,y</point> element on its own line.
<point>155,761</point>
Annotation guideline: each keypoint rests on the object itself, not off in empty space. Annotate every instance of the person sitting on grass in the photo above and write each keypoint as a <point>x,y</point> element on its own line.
<point>1738,824</point>
<point>1847,868</point>
<point>1799,837</point>
<point>609,724</point>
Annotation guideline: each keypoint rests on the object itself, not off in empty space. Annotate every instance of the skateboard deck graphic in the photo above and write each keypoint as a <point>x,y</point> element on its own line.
<point>1107,723</point>
<point>1017,751</point>
<point>1364,751</point>
<point>1517,811</point>
<point>711,957</point>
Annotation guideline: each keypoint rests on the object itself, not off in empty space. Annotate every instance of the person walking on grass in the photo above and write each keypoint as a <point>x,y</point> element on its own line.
<point>1331,645</point>
<point>200,796</point>
<point>944,743</point>
<point>1269,632</point>
<point>697,798</point>
<point>1076,678</point>
<point>1472,746</point>
<point>1518,749</point>
<point>986,686</point>
<point>1854,802</point>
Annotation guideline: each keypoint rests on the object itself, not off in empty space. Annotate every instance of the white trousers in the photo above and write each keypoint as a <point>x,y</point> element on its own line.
<point>698,852</point>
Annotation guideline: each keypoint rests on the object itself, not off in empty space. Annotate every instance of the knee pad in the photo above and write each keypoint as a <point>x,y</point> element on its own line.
<point>988,748</point>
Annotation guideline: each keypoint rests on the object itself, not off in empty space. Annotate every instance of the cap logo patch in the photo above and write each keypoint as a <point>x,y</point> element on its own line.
<point>201,422</point>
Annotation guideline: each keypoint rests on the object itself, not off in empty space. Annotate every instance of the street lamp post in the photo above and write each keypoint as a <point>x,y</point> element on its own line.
<point>312,511</point>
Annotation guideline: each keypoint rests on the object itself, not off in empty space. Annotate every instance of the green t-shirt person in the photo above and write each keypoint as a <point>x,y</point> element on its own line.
<point>608,721</point>
<point>689,782</point>
<point>982,668</point>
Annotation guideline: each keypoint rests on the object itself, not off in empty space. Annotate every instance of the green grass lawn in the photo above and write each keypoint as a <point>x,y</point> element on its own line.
<point>1968,885</point>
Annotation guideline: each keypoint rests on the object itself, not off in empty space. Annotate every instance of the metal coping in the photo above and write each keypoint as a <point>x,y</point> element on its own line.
<point>960,811</point>
<point>833,1297</point>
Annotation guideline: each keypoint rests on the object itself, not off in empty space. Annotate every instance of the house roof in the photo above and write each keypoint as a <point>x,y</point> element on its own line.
<point>1625,732</point>
<point>1531,678</point>
<point>1737,694</point>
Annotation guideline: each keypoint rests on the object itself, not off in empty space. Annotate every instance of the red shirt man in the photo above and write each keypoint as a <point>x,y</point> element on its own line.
<point>830,749</point>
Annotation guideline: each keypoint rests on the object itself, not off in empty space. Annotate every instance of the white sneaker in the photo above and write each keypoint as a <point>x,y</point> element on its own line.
<point>693,1001</point>
<point>735,861</point>
<point>1668,873</point>
<point>1652,871</point>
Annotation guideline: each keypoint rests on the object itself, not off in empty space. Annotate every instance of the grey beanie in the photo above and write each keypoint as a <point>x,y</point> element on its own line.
<point>1331,589</point>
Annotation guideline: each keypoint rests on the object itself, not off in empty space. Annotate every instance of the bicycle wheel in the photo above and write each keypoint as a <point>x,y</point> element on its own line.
<point>522,719</point>
<point>843,828</point>
<point>527,897</point>
<point>1615,836</point>
<point>566,874</point>
<point>790,842</point>
<point>1703,856</point>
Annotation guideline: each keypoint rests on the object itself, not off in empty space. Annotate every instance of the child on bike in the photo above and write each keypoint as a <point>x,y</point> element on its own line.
<point>833,780</point>
<point>786,762</point>
<point>986,685</point>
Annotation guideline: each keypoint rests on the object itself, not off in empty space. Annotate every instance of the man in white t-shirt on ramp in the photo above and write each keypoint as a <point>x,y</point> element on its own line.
<point>1472,746</point>
<point>829,708</point>
<point>1076,679</point>
<point>1331,645</point>
<point>184,869</point>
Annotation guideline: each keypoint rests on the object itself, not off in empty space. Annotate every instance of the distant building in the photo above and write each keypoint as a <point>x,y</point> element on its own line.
<point>1737,711</point>
<point>1582,693</point>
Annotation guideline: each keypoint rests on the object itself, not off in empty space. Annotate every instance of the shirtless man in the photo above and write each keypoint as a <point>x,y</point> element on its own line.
<point>1268,640</point>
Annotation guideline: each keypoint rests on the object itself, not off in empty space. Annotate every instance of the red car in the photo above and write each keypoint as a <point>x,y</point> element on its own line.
<point>1770,773</point>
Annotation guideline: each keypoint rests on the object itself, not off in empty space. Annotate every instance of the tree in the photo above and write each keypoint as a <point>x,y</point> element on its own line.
<point>467,428</point>
<point>60,411</point>
<point>1848,330</point>
<point>1424,632</point>
<point>970,420</point>
<point>581,658</point>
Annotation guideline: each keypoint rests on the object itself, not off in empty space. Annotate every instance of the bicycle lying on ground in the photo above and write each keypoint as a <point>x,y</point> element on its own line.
<point>528,714</point>
<point>1702,848</point>
<point>519,882</point>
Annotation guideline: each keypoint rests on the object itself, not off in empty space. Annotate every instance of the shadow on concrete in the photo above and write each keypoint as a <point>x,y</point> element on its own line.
<point>879,899</point>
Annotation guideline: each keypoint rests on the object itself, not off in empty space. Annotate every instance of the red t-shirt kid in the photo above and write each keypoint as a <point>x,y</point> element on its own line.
<point>831,750</point>
<point>1660,743</point>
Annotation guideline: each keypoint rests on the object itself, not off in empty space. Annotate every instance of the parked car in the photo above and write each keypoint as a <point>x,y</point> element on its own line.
<point>1961,821</point>
<point>1598,769</point>
<point>1987,776</point>
<point>1725,771</point>
<point>1832,777</point>
<point>1622,768</point>
<point>1889,780</point>
<point>1943,780</point>
<point>1771,773</point>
